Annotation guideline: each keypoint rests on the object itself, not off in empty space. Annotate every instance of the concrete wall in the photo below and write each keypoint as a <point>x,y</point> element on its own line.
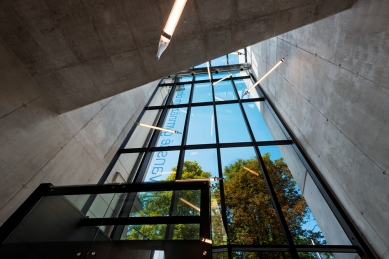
<point>84,46</point>
<point>38,145</point>
<point>333,92</point>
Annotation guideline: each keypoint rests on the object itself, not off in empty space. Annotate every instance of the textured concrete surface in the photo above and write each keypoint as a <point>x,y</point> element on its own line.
<point>38,145</point>
<point>80,52</point>
<point>333,91</point>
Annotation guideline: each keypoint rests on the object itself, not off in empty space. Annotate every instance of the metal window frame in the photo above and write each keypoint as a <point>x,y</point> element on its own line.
<point>358,244</point>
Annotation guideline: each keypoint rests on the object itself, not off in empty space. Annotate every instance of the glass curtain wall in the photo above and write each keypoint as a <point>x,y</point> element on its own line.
<point>264,199</point>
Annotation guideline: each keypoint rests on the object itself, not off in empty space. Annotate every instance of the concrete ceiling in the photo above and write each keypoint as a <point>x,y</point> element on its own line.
<point>82,51</point>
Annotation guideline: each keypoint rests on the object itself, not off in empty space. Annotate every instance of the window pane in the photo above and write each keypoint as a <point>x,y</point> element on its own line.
<point>242,85</point>
<point>264,127</point>
<point>200,163</point>
<point>224,91</point>
<point>233,59</point>
<point>175,120</point>
<point>201,126</point>
<point>307,214</point>
<point>162,166</point>
<point>145,232</point>
<point>181,94</point>
<point>185,79</point>
<point>250,214</point>
<point>220,61</point>
<point>160,96</point>
<point>202,77</point>
<point>231,124</point>
<point>202,93</point>
<point>141,135</point>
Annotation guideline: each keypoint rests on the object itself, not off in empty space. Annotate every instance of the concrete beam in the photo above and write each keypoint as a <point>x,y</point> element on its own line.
<point>110,45</point>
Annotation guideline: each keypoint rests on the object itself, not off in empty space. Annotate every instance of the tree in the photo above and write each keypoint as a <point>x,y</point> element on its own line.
<point>251,216</point>
<point>158,204</point>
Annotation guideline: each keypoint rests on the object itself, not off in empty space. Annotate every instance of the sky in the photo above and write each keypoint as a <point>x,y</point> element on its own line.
<point>202,129</point>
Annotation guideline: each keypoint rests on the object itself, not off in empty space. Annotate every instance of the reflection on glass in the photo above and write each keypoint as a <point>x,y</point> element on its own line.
<point>242,85</point>
<point>231,125</point>
<point>160,96</point>
<point>224,91</point>
<point>260,255</point>
<point>186,232</point>
<point>185,79</point>
<point>220,61</point>
<point>299,216</point>
<point>181,94</point>
<point>145,232</point>
<point>161,166</point>
<point>327,255</point>
<point>200,163</point>
<point>175,120</point>
<point>219,235</point>
<point>251,217</point>
<point>254,112</point>
<point>141,135</point>
<point>201,126</point>
<point>202,93</point>
<point>220,255</point>
<point>151,204</point>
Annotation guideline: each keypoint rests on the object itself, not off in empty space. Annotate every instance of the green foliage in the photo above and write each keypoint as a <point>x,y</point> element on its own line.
<point>251,217</point>
<point>158,204</point>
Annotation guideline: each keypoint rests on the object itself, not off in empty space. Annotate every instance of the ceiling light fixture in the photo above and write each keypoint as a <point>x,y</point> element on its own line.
<point>250,171</point>
<point>236,53</point>
<point>212,179</point>
<point>190,204</point>
<point>275,66</point>
<point>229,75</point>
<point>209,72</point>
<point>158,128</point>
<point>170,26</point>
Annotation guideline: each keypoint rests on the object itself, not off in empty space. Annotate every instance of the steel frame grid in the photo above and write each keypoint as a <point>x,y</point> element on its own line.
<point>291,247</point>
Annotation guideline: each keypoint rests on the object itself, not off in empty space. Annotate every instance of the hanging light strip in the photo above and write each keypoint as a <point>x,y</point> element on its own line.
<point>206,240</point>
<point>199,180</point>
<point>275,66</point>
<point>190,204</point>
<point>229,75</point>
<point>158,128</point>
<point>250,171</point>
<point>236,53</point>
<point>209,72</point>
<point>170,26</point>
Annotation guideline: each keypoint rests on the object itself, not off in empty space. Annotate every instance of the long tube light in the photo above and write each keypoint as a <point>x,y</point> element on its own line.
<point>190,204</point>
<point>236,53</point>
<point>250,171</point>
<point>158,128</point>
<point>209,72</point>
<point>318,255</point>
<point>206,240</point>
<point>229,75</point>
<point>271,70</point>
<point>170,26</point>
<point>199,180</point>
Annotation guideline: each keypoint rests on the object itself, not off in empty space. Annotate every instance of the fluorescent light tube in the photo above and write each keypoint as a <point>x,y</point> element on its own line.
<point>230,75</point>
<point>209,72</point>
<point>170,26</point>
<point>206,240</point>
<point>190,204</point>
<point>158,128</point>
<point>250,171</point>
<point>271,70</point>
<point>198,180</point>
